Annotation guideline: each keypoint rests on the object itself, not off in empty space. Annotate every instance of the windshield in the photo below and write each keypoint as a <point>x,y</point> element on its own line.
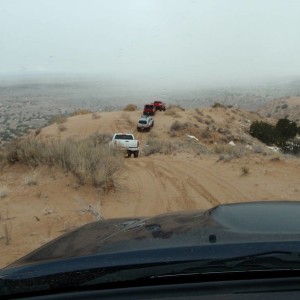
<point>216,84</point>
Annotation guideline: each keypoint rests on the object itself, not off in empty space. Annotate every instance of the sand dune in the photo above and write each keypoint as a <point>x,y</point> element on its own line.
<point>148,185</point>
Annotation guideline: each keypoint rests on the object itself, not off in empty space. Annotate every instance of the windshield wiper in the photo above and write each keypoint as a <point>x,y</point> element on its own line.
<point>265,261</point>
<point>151,273</point>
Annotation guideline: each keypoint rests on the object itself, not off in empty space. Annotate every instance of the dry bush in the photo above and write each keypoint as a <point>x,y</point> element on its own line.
<point>199,112</point>
<point>158,146</point>
<point>6,225</point>
<point>275,158</point>
<point>176,107</point>
<point>7,231</point>
<point>90,161</point>
<point>199,119</point>
<point>171,112</point>
<point>95,115</point>
<point>193,146</point>
<point>228,152</point>
<point>91,209</point>
<point>62,127</point>
<point>58,119</point>
<point>217,104</point>
<point>38,131</point>
<point>130,107</point>
<point>178,126</point>
<point>31,179</point>
<point>100,138</point>
<point>2,158</point>
<point>262,149</point>
<point>3,192</point>
<point>80,112</point>
<point>244,171</point>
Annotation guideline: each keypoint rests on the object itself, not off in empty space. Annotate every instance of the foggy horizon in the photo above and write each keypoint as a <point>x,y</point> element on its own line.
<point>163,43</point>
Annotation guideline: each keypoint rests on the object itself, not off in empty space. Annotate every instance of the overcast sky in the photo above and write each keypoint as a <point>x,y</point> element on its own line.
<point>166,40</point>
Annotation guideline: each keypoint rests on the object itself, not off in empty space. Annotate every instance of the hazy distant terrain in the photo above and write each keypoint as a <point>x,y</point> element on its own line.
<point>30,104</point>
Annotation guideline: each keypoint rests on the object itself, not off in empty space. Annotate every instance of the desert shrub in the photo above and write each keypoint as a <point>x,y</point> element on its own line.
<point>217,104</point>
<point>38,131</point>
<point>3,192</point>
<point>176,107</point>
<point>206,134</point>
<point>171,112</point>
<point>158,146</point>
<point>62,127</point>
<point>89,161</point>
<point>95,115</point>
<point>199,119</point>
<point>228,152</point>
<point>31,179</point>
<point>130,107</point>
<point>81,111</point>
<point>244,170</point>
<point>100,138</point>
<point>199,112</point>
<point>177,126</point>
<point>58,119</point>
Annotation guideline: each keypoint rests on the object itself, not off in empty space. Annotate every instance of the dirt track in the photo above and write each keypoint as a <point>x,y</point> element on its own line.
<point>158,184</point>
<point>148,185</point>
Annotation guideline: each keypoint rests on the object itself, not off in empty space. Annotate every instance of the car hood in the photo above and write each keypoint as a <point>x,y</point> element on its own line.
<point>225,224</point>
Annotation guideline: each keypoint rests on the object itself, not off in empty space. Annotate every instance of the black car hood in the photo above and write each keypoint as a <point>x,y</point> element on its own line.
<point>225,224</point>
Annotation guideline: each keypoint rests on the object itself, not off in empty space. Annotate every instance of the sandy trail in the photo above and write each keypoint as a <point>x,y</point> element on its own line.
<point>159,184</point>
<point>147,185</point>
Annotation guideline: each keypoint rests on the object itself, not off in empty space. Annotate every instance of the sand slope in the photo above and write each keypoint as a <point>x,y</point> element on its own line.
<point>148,185</point>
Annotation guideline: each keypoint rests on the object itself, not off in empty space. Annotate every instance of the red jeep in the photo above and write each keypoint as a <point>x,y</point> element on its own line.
<point>159,105</point>
<point>149,109</point>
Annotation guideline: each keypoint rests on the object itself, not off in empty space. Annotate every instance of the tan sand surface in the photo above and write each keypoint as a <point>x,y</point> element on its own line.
<point>34,214</point>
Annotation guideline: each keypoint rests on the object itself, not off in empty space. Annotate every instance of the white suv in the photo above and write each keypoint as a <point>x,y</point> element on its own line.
<point>145,123</point>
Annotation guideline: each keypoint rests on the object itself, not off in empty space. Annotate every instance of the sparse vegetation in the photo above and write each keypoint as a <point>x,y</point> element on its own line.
<point>62,127</point>
<point>217,104</point>
<point>81,111</point>
<point>89,161</point>
<point>177,126</point>
<point>158,146</point>
<point>58,119</point>
<point>31,179</point>
<point>96,115</point>
<point>6,225</point>
<point>228,152</point>
<point>3,192</point>
<point>244,170</point>
<point>130,107</point>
